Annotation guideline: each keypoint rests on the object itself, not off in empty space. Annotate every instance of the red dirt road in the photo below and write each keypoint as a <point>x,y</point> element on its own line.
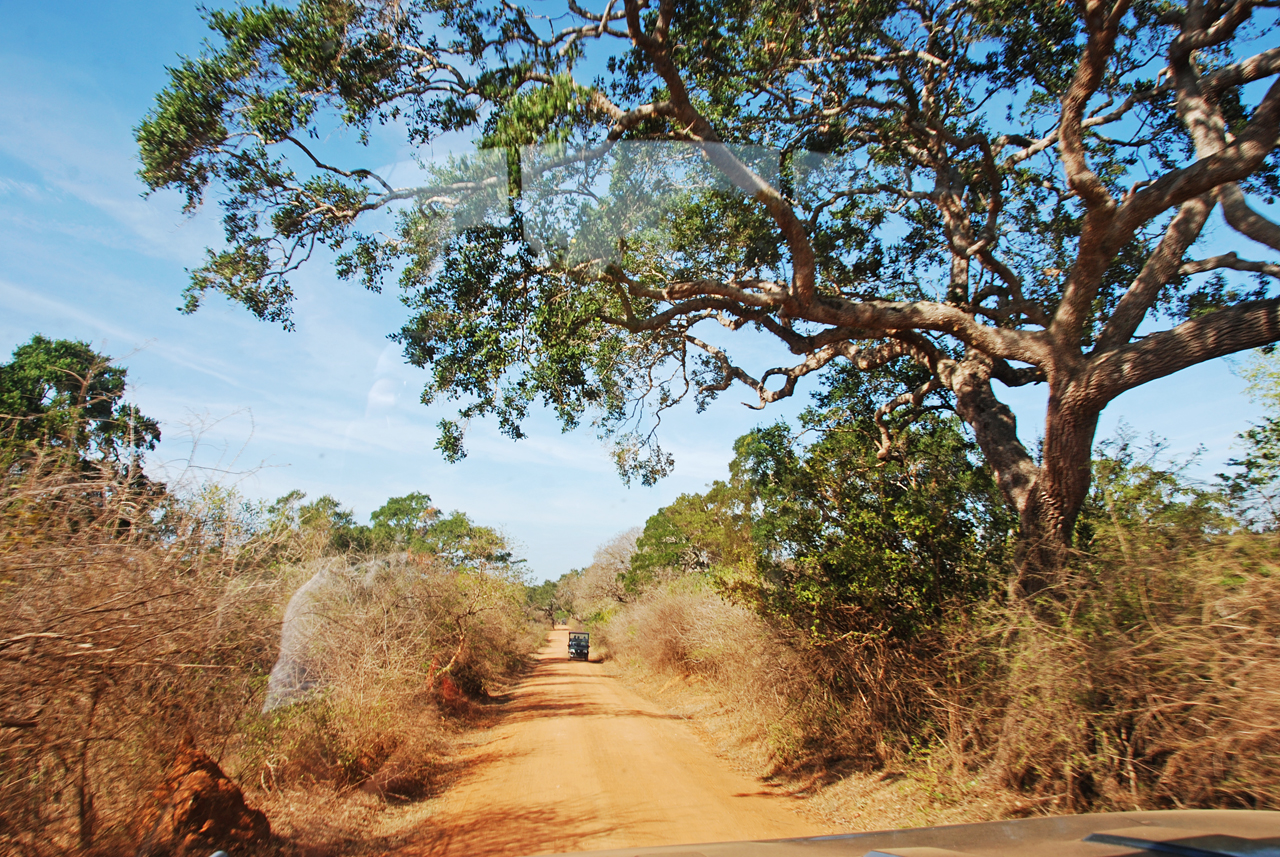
<point>580,763</point>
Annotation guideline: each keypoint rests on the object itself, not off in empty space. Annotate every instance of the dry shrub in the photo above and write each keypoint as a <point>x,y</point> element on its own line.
<point>592,594</point>
<point>1157,686</point>
<point>345,744</point>
<point>391,643</point>
<point>1154,686</point>
<point>818,709</point>
<point>131,617</point>
<point>121,629</point>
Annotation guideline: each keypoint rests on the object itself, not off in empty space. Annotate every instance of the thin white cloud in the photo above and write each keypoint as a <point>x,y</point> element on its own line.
<point>87,151</point>
<point>12,187</point>
<point>42,304</point>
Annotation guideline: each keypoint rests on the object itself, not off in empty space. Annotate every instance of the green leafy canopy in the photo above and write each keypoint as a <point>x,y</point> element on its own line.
<point>1011,193</point>
<point>61,395</point>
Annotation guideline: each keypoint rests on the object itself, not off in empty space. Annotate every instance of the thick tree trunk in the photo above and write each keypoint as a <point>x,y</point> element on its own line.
<point>1048,496</point>
<point>1048,519</point>
<point>994,426</point>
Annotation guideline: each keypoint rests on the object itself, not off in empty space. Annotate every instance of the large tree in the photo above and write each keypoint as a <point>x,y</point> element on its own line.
<point>61,396</point>
<point>1033,192</point>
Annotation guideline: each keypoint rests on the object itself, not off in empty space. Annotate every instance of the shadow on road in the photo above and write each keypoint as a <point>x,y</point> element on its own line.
<point>541,830</point>
<point>582,709</point>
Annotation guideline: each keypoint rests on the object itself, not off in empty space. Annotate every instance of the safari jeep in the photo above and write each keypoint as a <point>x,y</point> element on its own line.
<point>579,644</point>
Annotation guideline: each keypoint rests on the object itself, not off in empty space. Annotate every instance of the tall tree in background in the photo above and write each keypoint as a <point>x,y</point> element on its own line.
<point>409,523</point>
<point>707,532</point>
<point>1002,192</point>
<point>61,395</point>
<point>402,520</point>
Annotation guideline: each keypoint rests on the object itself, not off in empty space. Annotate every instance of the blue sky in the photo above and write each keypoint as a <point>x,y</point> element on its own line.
<point>330,408</point>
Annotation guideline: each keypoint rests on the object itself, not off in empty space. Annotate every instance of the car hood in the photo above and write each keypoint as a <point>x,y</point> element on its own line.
<point>1183,833</point>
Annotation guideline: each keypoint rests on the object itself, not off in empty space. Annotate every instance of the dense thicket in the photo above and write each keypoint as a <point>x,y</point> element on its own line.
<point>848,617</point>
<point>133,613</point>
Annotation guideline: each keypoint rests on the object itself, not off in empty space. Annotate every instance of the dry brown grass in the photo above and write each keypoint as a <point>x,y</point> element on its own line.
<point>129,618</point>
<point>396,645</point>
<point>1155,686</point>
<point>117,635</point>
<point>406,650</point>
<point>809,718</point>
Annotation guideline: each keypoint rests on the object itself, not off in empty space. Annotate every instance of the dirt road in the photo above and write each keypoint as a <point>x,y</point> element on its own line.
<point>581,763</point>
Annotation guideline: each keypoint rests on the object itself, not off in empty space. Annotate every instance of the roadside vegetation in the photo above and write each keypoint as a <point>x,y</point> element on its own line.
<point>850,620</point>
<point>135,613</point>
<point>926,206</point>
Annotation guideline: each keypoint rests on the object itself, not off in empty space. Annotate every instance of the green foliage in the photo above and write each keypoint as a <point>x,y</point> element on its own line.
<point>220,115</point>
<point>467,544</point>
<point>830,536</point>
<point>1262,371</point>
<point>1138,490</point>
<point>1253,488</point>
<point>409,523</point>
<point>1001,191</point>
<point>402,521</point>
<point>542,599</point>
<point>708,533</point>
<point>545,114</point>
<point>335,525</point>
<point>553,600</point>
<point>489,323</point>
<point>60,395</point>
<point>849,540</point>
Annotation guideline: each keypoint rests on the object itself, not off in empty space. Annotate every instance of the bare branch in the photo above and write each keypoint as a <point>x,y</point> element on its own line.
<point>1161,267</point>
<point>730,372</point>
<point>1245,220</point>
<point>696,125</point>
<point>915,397</point>
<point>1228,261</point>
<point>362,174</point>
